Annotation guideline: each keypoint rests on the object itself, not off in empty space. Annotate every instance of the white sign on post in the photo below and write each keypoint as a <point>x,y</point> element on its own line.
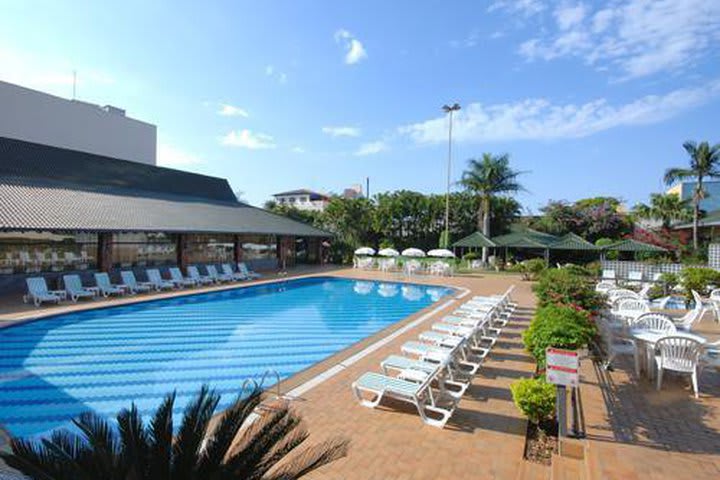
<point>562,367</point>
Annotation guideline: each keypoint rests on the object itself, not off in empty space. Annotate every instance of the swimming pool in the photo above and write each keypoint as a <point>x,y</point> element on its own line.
<point>104,359</point>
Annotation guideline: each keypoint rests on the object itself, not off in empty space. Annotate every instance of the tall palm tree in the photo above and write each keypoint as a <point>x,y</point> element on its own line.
<point>486,178</point>
<point>704,163</point>
<point>667,208</point>
<point>135,451</point>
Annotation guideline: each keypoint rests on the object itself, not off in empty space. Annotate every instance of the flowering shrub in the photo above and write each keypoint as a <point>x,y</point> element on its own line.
<point>559,286</point>
<point>560,326</point>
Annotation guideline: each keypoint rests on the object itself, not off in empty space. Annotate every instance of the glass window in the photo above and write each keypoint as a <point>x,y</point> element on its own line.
<point>33,252</point>
<point>259,247</point>
<point>143,249</point>
<point>210,248</point>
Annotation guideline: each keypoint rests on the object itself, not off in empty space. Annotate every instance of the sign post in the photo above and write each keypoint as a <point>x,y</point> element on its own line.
<point>562,371</point>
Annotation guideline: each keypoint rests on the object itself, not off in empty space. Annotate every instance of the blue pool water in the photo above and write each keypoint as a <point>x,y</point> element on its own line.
<point>54,369</point>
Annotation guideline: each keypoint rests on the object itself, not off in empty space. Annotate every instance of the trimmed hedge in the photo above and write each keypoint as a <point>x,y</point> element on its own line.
<point>558,326</point>
<point>559,286</point>
<point>535,398</point>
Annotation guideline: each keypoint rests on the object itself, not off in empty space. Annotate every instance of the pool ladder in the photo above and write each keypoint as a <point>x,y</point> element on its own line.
<point>252,384</point>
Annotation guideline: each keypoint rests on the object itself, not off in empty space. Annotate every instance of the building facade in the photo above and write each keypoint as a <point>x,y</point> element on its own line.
<point>303,199</point>
<point>40,118</point>
<point>686,190</point>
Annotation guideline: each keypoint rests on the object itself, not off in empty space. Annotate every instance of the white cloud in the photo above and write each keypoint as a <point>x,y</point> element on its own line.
<point>638,37</point>
<point>173,157</point>
<point>569,16</point>
<point>272,72</point>
<point>297,150</point>
<point>247,139</point>
<point>371,148</point>
<point>232,111</point>
<point>523,7</point>
<point>471,40</point>
<point>342,131</point>
<point>354,49</point>
<point>540,119</point>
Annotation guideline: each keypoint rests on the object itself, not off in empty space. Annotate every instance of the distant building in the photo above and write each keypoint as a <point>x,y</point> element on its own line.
<point>685,191</point>
<point>43,119</point>
<point>303,199</point>
<point>355,191</point>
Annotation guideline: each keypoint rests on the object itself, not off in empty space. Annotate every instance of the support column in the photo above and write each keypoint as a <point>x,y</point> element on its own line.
<point>238,252</point>
<point>104,253</point>
<point>181,252</point>
<point>321,251</point>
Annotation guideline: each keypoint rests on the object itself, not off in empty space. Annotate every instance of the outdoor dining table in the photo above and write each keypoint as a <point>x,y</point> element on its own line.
<point>649,339</point>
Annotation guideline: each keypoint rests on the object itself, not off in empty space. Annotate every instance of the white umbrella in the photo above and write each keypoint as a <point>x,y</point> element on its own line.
<point>388,252</point>
<point>364,251</point>
<point>413,252</point>
<point>441,252</point>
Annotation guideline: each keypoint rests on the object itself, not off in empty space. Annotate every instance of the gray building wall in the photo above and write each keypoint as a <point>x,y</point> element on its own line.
<point>37,117</point>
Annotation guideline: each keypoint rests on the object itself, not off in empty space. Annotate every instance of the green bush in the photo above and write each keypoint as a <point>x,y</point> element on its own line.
<point>560,286</point>
<point>558,326</point>
<point>530,269</point>
<point>603,242</point>
<point>472,256</point>
<point>385,243</point>
<point>664,286</point>
<point>535,398</point>
<point>698,279</point>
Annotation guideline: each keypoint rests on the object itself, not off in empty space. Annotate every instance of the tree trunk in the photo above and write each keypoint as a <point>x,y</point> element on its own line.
<point>485,225</point>
<point>696,212</point>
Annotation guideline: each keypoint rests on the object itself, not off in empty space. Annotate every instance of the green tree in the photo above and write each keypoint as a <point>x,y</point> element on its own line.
<point>489,177</point>
<point>135,451</point>
<point>704,163</point>
<point>667,208</point>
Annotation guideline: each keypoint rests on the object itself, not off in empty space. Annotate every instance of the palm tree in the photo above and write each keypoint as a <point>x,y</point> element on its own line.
<point>143,452</point>
<point>704,163</point>
<point>666,208</point>
<point>487,178</point>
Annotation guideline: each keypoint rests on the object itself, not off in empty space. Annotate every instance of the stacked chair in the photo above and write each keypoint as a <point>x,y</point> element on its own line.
<point>434,371</point>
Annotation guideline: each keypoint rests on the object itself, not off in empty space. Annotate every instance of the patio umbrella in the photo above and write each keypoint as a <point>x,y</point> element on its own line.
<point>365,251</point>
<point>388,252</point>
<point>441,252</point>
<point>413,252</point>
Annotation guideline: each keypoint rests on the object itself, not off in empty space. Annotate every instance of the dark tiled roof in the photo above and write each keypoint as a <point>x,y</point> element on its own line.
<point>30,160</point>
<point>49,193</point>
<point>632,245</point>
<point>570,241</point>
<point>474,240</point>
<point>302,191</point>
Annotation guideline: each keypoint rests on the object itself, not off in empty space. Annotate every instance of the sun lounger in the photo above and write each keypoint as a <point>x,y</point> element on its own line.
<point>133,285</point>
<point>398,364</point>
<point>74,288</point>
<point>217,277</point>
<point>154,278</point>
<point>102,280</point>
<point>237,276</point>
<point>194,273</point>
<point>38,292</point>
<point>179,280</point>
<point>417,393</point>
<point>455,355</point>
<point>242,268</point>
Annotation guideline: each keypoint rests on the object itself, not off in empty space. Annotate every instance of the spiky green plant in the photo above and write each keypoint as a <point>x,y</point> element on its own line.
<point>201,450</point>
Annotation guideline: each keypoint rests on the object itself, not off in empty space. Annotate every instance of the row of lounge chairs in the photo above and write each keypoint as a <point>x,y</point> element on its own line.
<point>434,371</point>
<point>38,291</point>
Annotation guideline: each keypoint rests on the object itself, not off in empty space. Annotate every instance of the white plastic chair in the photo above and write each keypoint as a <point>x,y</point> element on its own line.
<point>656,322</point>
<point>687,321</point>
<point>678,354</point>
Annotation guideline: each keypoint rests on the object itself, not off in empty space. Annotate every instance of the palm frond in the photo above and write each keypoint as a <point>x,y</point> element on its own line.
<point>192,432</point>
<point>134,442</point>
<point>160,433</point>
<point>227,429</point>
<point>101,440</point>
<point>34,460</point>
<point>312,459</point>
<point>672,175</point>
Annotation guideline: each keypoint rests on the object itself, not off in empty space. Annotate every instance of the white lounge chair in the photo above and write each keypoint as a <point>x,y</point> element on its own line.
<point>74,288</point>
<point>179,280</point>
<point>398,363</point>
<point>154,278</point>
<point>242,268</point>
<point>38,292</point>
<point>417,393</point>
<point>194,273</point>
<point>455,355</point>
<point>102,280</point>
<point>449,340</point>
<point>678,354</point>
<point>687,321</point>
<point>237,276</point>
<point>133,285</point>
<point>217,277</point>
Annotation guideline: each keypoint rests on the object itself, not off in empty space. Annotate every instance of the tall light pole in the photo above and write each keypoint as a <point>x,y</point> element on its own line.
<point>449,110</point>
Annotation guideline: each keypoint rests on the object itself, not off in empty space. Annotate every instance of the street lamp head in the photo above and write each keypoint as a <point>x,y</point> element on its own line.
<point>447,108</point>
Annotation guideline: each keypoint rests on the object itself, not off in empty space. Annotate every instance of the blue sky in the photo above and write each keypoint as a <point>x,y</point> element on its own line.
<point>590,98</point>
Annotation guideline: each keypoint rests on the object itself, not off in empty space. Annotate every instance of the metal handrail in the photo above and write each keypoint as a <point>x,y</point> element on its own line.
<point>270,371</point>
